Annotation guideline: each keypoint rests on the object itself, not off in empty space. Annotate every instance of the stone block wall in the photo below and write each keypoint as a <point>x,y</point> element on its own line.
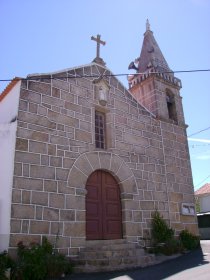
<point>55,154</point>
<point>151,92</point>
<point>178,176</point>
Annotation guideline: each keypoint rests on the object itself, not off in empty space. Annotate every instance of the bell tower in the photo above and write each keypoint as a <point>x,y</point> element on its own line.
<point>154,84</point>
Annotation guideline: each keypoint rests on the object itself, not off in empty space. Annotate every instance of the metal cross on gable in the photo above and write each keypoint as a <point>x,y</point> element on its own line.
<point>99,41</point>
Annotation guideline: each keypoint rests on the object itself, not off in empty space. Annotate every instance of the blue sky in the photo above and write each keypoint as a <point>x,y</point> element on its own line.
<point>39,36</point>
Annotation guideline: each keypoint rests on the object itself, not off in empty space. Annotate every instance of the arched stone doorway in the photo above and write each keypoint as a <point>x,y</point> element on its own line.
<point>103,207</point>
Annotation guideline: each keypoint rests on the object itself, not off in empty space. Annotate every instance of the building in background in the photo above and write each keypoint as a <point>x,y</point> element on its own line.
<point>202,196</point>
<point>9,101</point>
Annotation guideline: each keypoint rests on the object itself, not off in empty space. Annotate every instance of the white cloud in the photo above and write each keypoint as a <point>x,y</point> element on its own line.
<point>199,140</point>
<point>203,157</point>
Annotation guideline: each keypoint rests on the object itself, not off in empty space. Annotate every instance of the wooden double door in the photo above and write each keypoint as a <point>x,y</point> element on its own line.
<point>103,207</point>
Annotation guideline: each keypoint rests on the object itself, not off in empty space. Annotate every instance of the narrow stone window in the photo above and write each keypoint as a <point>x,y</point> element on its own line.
<point>100,130</point>
<point>171,107</point>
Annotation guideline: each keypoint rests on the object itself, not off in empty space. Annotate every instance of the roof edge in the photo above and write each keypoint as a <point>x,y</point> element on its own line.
<point>9,87</point>
<point>68,69</point>
<point>204,190</point>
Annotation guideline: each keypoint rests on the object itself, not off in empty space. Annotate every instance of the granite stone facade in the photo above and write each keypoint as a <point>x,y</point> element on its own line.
<point>55,154</point>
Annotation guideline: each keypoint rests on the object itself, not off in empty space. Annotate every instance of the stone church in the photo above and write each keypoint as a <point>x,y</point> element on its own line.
<point>93,159</point>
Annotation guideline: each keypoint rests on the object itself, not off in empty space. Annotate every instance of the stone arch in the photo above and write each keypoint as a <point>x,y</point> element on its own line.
<point>88,162</point>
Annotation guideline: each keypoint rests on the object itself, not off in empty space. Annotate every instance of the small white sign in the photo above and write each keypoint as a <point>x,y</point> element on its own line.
<point>188,209</point>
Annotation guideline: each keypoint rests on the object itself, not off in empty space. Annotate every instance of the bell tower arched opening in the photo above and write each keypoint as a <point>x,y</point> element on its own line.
<point>171,106</point>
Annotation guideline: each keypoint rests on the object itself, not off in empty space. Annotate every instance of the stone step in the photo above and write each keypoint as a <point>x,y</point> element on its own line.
<point>99,243</point>
<point>109,255</point>
<point>111,264</point>
<point>112,253</point>
<point>108,247</point>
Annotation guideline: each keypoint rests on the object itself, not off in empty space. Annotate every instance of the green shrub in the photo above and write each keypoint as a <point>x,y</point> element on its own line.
<point>163,237</point>
<point>58,265</point>
<point>172,246</point>
<point>31,263</point>
<point>189,240</point>
<point>5,263</point>
<point>38,262</point>
<point>161,232</point>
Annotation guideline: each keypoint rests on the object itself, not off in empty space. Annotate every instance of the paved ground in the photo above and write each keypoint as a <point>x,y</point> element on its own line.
<point>194,265</point>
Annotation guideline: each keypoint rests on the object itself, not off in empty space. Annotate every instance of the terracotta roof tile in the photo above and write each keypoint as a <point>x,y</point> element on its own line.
<point>203,190</point>
<point>9,87</point>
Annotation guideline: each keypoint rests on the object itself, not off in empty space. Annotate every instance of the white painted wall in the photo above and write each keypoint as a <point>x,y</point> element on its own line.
<point>8,110</point>
<point>205,203</point>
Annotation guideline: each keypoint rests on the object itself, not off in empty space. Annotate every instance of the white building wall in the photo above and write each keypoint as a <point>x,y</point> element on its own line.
<point>8,111</point>
<point>7,149</point>
<point>205,203</point>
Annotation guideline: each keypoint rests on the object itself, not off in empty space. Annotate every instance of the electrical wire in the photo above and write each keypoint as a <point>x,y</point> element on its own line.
<point>199,131</point>
<point>53,76</point>
<point>202,181</point>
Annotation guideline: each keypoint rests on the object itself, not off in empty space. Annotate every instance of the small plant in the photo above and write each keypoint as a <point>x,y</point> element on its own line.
<point>197,205</point>
<point>5,264</point>
<point>58,265</point>
<point>189,240</point>
<point>161,232</point>
<point>164,241</point>
<point>39,262</point>
<point>172,246</point>
<point>31,263</point>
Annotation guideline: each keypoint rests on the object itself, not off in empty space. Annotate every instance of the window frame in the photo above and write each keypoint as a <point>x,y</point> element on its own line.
<point>100,130</point>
